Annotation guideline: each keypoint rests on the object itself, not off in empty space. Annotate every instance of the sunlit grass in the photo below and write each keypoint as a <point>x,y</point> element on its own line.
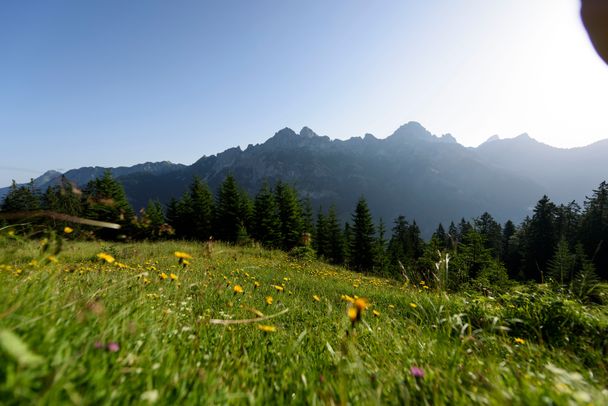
<point>246,325</point>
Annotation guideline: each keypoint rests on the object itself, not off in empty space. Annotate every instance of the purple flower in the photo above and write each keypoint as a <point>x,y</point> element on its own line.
<point>98,345</point>
<point>113,347</point>
<point>417,372</point>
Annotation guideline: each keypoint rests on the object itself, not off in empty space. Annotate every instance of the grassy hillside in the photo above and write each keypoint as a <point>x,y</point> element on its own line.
<point>78,329</point>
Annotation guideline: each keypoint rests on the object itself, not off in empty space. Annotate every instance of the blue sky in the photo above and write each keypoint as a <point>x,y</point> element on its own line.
<point>114,83</point>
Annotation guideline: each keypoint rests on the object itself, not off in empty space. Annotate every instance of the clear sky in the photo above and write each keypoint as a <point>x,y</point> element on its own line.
<point>114,83</point>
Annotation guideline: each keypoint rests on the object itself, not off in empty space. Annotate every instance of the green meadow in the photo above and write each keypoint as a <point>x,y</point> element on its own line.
<point>244,325</point>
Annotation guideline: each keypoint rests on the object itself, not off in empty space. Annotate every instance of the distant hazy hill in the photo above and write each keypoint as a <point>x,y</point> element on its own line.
<point>83,175</point>
<point>567,174</point>
<point>412,172</point>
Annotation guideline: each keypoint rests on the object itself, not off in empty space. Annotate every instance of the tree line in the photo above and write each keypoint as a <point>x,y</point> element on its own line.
<point>566,244</point>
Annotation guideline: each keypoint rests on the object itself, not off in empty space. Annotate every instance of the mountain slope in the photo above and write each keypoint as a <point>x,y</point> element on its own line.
<point>412,172</point>
<point>568,174</point>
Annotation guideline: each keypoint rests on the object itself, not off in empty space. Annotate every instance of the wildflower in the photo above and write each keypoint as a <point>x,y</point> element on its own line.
<point>183,258</point>
<point>268,300</point>
<point>68,230</point>
<point>163,276</point>
<point>519,340</point>
<point>98,345</point>
<point>425,287</point>
<point>316,298</point>
<point>238,289</point>
<point>256,284</point>
<point>173,277</point>
<point>417,372</point>
<point>376,313</point>
<point>279,288</point>
<point>113,347</point>
<point>355,310</point>
<point>347,298</point>
<point>390,306</point>
<point>413,305</point>
<point>266,328</point>
<point>53,259</point>
<point>422,282</point>
<point>106,257</point>
<point>182,255</point>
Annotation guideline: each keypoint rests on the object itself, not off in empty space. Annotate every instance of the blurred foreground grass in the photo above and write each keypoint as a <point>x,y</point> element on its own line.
<point>79,329</point>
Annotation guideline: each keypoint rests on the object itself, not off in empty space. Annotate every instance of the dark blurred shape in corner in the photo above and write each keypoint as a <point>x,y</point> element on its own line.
<point>595,19</point>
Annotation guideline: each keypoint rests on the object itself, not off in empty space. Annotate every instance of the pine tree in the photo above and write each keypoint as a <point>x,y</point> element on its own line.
<point>567,221</point>
<point>453,236</point>
<point>289,215</point>
<point>21,198</point>
<point>441,237</point>
<point>398,244</point>
<point>463,228</point>
<point>201,210</point>
<point>266,222</point>
<point>593,232</point>
<point>307,216</point>
<point>334,238</point>
<point>362,243</point>
<point>381,265</point>
<point>415,243</point>
<point>491,232</point>
<point>106,201</point>
<point>321,239</point>
<point>584,285</point>
<point>184,227</point>
<point>510,249</point>
<point>541,239</point>
<point>229,216</point>
<point>561,266</point>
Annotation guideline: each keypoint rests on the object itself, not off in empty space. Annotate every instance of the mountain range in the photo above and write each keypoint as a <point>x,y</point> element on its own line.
<point>412,172</point>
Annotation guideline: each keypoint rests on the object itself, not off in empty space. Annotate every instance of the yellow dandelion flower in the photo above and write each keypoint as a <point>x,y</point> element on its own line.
<point>355,309</point>
<point>422,282</point>
<point>413,305</point>
<point>347,298</point>
<point>352,314</point>
<point>279,288</point>
<point>266,328</point>
<point>53,259</point>
<point>376,313</point>
<point>173,277</point>
<point>238,289</point>
<point>68,230</point>
<point>316,298</point>
<point>256,284</point>
<point>185,262</point>
<point>520,341</point>
<point>425,287</point>
<point>360,304</point>
<point>182,255</point>
<point>269,300</point>
<point>106,257</point>
<point>390,306</point>
<point>146,281</point>
<point>163,276</point>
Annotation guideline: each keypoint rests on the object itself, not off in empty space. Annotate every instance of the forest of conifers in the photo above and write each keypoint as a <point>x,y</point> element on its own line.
<point>566,245</point>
